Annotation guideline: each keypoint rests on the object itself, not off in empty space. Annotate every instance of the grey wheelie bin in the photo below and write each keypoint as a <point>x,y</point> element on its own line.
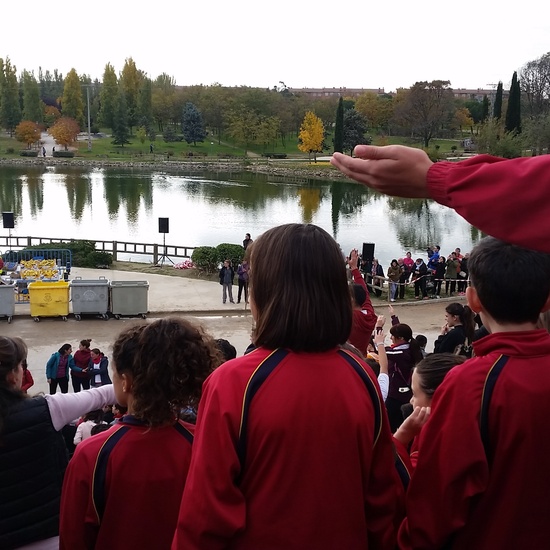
<point>90,296</point>
<point>129,298</point>
<point>7,301</point>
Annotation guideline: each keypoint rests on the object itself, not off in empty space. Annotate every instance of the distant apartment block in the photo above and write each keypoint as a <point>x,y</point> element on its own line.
<point>459,93</point>
<point>336,92</point>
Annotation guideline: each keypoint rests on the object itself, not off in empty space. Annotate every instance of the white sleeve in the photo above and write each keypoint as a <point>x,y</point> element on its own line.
<point>78,435</point>
<point>384,383</point>
<point>65,407</point>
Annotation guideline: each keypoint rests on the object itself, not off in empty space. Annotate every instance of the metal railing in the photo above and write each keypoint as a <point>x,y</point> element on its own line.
<point>121,250</point>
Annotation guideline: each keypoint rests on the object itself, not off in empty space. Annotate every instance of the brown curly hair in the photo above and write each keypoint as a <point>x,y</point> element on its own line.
<point>168,360</point>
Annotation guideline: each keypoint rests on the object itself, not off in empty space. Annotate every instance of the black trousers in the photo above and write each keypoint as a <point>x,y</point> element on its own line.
<point>80,384</point>
<point>243,285</point>
<point>63,385</point>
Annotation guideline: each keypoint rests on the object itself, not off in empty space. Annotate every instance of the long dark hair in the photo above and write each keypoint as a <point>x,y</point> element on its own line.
<point>12,352</point>
<point>312,313</point>
<point>64,348</point>
<point>466,316</point>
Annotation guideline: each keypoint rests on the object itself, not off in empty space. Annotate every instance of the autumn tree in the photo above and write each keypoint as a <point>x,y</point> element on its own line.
<point>65,131</point>
<point>10,110</point>
<point>192,125</point>
<point>33,108</point>
<point>311,135</point>
<point>130,80</point>
<point>339,127</point>
<point>51,86</point>
<point>267,130</point>
<point>513,111</point>
<point>426,108</point>
<point>27,132</point>
<point>462,118</point>
<point>377,109</point>
<point>72,104</point>
<point>108,96</point>
<point>243,127</point>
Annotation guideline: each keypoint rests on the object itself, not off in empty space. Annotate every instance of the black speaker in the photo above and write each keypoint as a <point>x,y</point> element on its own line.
<point>7,220</point>
<point>163,225</point>
<point>368,252</point>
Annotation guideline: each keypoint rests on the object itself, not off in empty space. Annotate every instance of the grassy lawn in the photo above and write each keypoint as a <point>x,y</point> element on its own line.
<point>210,149</point>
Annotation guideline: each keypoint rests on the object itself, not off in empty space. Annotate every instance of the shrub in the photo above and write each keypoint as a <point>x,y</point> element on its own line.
<point>27,153</point>
<point>233,252</point>
<point>63,154</point>
<point>205,258</point>
<point>10,150</point>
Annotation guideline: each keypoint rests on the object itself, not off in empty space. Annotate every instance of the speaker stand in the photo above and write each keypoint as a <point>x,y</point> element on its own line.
<point>164,256</point>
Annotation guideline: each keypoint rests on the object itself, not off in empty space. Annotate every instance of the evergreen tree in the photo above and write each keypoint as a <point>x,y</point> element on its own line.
<point>10,109</point>
<point>339,127</point>
<point>192,125</point>
<point>497,107</point>
<point>108,96</point>
<point>355,127</point>
<point>513,111</point>
<point>121,132</point>
<point>72,104</point>
<point>485,108</point>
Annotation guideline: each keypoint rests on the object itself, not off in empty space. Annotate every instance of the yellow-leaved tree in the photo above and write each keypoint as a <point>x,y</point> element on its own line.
<point>311,135</point>
<point>65,131</point>
<point>27,132</point>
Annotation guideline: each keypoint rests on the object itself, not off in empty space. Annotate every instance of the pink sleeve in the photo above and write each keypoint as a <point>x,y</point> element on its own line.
<point>505,198</point>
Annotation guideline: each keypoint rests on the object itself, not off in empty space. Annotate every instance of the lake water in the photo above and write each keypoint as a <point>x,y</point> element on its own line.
<point>212,208</point>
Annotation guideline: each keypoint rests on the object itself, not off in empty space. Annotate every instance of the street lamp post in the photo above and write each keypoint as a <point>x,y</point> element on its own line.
<point>89,132</point>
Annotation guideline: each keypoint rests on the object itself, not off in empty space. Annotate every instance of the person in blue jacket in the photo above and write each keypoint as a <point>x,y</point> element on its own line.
<point>98,367</point>
<point>57,369</point>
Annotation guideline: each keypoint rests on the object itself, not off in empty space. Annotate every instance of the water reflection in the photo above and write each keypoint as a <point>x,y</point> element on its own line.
<point>210,208</point>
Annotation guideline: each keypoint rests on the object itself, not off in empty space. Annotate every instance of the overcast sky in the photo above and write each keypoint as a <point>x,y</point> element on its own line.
<point>365,44</point>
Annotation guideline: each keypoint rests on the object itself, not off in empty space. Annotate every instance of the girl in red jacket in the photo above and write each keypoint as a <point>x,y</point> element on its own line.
<point>143,459</point>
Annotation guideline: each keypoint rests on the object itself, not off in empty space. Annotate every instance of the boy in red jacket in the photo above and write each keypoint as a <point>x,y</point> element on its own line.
<point>481,478</point>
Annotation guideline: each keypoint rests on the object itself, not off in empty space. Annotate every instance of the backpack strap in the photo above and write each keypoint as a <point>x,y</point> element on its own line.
<point>488,388</point>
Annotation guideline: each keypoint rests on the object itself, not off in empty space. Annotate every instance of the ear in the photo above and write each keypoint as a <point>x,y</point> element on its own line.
<point>546,306</point>
<point>11,379</point>
<point>473,299</point>
<point>127,382</point>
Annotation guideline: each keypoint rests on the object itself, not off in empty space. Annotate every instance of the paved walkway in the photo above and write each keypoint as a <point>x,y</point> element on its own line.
<point>166,294</point>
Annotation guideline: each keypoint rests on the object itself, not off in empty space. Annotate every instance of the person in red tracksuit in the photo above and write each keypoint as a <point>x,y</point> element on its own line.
<point>481,478</point>
<point>364,317</point>
<point>123,487</point>
<point>292,447</point>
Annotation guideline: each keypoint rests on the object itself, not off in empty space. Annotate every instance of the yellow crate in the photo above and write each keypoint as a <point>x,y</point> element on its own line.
<point>49,299</point>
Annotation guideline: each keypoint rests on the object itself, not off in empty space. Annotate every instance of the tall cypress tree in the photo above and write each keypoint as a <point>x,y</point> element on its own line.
<point>513,112</point>
<point>339,128</point>
<point>485,109</point>
<point>497,107</point>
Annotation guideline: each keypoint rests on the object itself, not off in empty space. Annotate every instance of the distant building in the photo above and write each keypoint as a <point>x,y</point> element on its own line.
<point>336,92</point>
